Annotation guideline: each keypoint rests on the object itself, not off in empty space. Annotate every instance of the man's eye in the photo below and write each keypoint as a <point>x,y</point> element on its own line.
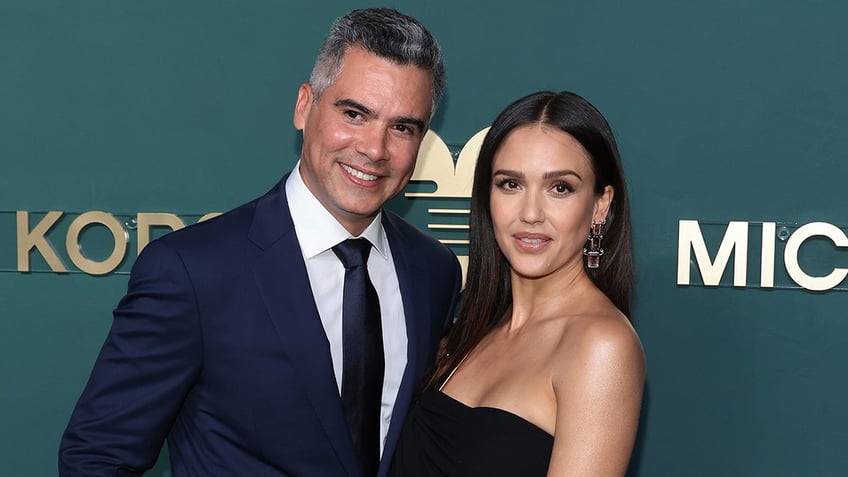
<point>353,114</point>
<point>403,128</point>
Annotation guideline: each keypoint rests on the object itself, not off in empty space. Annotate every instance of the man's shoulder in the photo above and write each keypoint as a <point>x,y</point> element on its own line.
<point>234,224</point>
<point>224,225</point>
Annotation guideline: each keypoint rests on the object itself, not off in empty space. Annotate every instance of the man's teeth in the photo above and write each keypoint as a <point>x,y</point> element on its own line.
<point>359,174</point>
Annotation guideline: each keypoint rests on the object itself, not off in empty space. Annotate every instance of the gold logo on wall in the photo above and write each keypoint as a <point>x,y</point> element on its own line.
<point>453,181</point>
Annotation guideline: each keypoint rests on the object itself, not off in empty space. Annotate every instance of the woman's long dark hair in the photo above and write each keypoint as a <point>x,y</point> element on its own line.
<point>488,292</point>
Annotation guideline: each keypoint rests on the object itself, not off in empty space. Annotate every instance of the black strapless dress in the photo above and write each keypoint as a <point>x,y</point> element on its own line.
<point>444,437</point>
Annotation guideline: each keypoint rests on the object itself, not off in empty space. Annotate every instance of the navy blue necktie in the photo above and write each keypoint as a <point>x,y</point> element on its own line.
<point>362,343</point>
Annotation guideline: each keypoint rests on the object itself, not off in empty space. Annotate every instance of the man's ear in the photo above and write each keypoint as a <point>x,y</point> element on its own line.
<point>303,106</point>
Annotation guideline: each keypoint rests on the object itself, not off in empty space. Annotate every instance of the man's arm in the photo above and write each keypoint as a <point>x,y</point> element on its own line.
<point>147,365</point>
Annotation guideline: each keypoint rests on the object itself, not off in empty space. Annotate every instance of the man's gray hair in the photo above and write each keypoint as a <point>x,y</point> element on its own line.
<point>386,33</point>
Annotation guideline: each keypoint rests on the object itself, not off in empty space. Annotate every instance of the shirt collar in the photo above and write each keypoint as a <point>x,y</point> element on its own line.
<point>317,230</point>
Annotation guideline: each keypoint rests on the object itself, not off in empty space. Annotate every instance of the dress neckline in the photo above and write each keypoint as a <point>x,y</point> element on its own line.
<point>496,410</point>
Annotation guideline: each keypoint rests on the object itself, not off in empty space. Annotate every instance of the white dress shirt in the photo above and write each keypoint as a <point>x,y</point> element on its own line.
<point>318,232</point>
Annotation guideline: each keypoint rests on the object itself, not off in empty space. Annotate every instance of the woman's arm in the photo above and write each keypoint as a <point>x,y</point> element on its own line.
<point>598,381</point>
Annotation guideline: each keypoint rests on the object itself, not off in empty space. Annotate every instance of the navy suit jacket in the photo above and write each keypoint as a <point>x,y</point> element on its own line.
<point>218,346</point>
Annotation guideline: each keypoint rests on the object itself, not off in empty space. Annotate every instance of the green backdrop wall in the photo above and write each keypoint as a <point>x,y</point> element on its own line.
<point>725,111</point>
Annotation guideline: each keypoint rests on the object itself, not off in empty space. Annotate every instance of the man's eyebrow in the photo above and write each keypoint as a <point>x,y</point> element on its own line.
<point>349,103</point>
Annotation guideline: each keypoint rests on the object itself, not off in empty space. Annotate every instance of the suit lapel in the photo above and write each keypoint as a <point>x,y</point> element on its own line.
<point>416,309</point>
<point>283,282</point>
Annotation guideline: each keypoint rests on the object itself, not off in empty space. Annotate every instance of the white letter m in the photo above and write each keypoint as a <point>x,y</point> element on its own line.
<point>690,238</point>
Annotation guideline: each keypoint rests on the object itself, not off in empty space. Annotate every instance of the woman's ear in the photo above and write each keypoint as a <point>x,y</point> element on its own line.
<point>602,204</point>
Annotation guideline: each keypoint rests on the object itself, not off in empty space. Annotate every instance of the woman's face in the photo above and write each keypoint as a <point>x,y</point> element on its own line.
<point>543,200</point>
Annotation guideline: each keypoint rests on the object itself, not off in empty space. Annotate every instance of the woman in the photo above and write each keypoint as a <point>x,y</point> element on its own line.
<point>542,373</point>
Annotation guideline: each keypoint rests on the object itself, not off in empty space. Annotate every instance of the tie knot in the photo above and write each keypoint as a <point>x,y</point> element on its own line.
<point>353,252</point>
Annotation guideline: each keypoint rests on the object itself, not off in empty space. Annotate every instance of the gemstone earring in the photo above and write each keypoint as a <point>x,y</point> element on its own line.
<point>594,251</point>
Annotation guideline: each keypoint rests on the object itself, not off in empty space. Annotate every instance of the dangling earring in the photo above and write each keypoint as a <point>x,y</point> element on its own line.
<point>594,251</point>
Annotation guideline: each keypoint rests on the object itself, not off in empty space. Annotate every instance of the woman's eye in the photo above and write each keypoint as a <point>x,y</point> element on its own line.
<point>509,184</point>
<point>562,188</point>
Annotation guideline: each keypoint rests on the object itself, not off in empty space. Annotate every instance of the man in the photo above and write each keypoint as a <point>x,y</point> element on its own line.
<point>231,340</point>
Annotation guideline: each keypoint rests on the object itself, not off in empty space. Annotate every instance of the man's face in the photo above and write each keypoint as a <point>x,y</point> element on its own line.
<point>361,137</point>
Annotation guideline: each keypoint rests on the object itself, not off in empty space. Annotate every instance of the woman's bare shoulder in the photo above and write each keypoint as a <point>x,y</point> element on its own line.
<point>602,340</point>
